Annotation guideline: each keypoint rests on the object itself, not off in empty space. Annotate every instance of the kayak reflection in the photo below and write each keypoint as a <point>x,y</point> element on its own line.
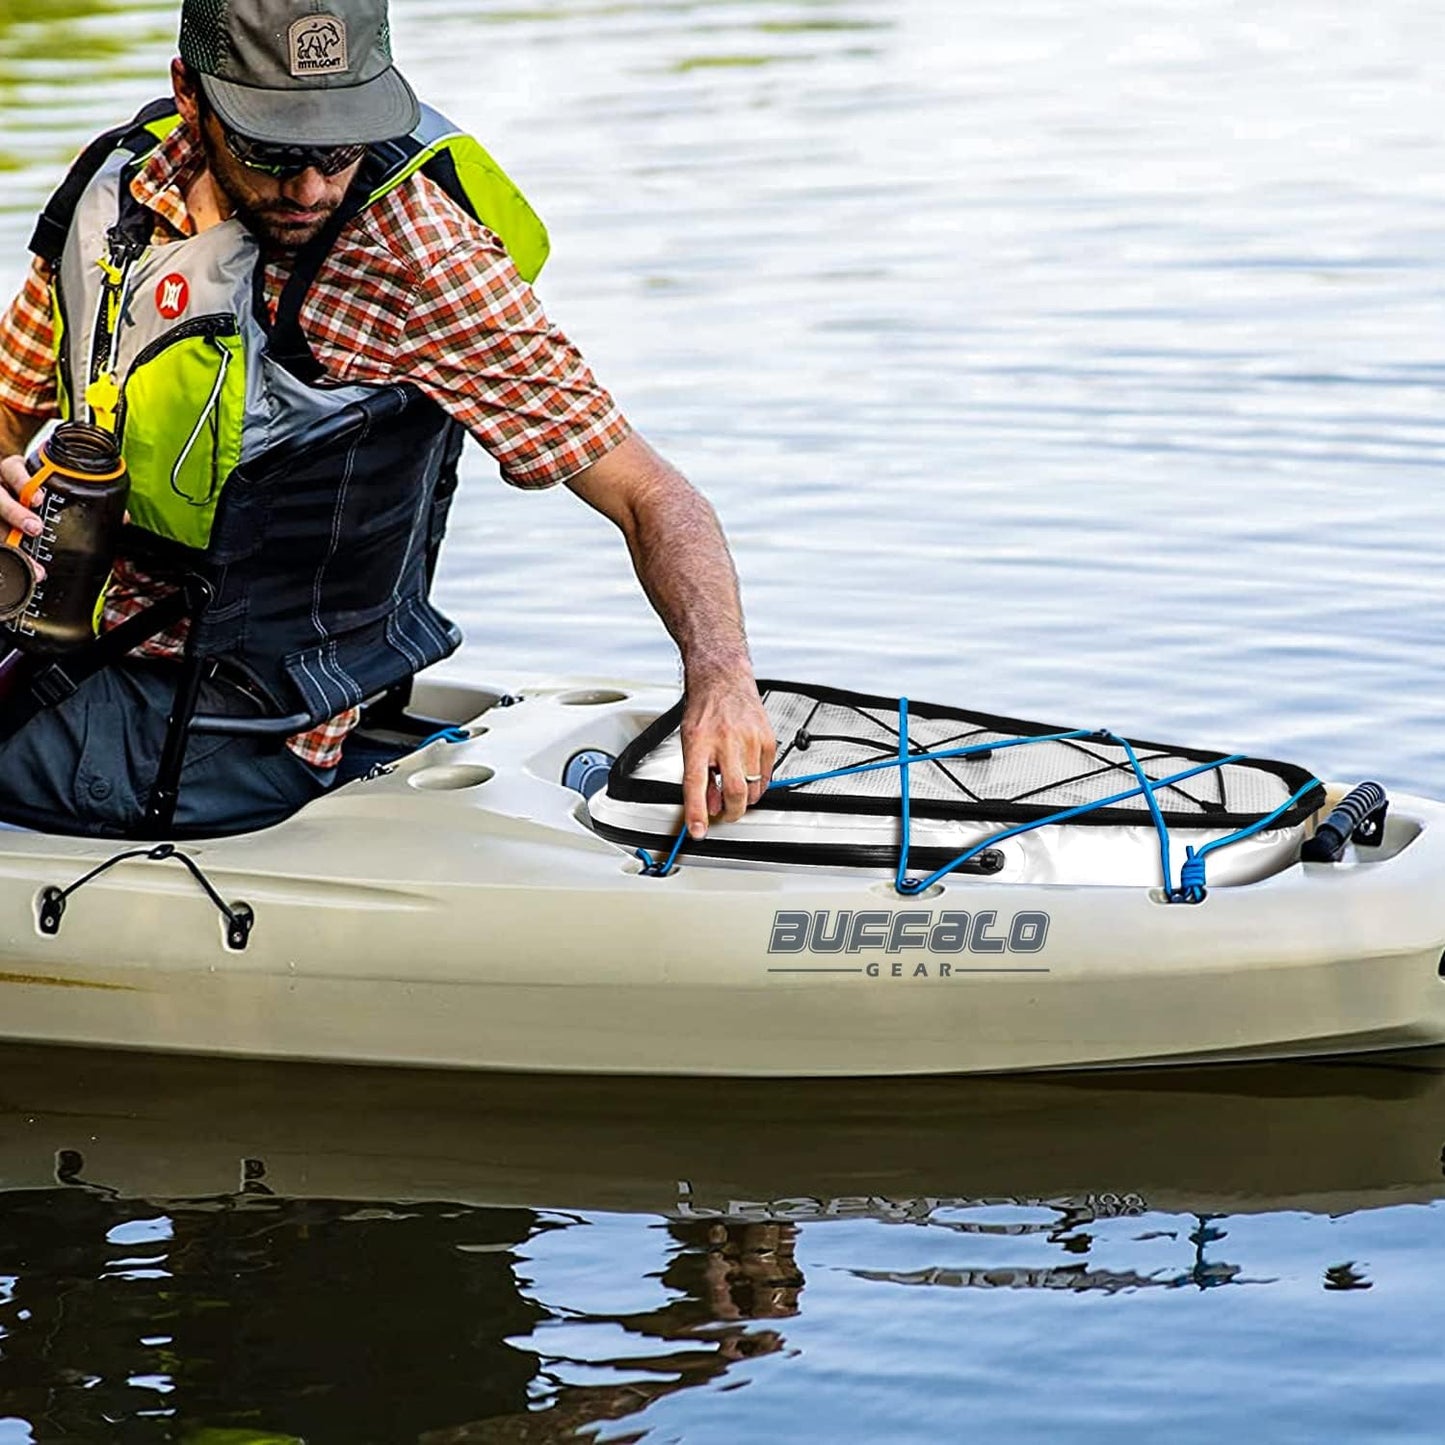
<point>190,1247</point>
<point>1326,1136</point>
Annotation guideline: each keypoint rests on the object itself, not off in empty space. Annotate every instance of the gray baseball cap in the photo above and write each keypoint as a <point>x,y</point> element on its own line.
<point>299,72</point>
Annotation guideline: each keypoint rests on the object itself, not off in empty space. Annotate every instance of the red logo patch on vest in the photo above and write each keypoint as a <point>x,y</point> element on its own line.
<point>172,296</point>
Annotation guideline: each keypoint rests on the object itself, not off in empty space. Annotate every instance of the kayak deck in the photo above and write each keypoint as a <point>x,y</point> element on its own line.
<point>458,910</point>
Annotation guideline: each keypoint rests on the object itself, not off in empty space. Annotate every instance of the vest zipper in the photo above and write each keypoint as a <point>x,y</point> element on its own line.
<point>210,327</point>
<point>102,395</point>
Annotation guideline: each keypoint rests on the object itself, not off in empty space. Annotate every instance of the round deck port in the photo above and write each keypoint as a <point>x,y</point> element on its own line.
<point>452,777</point>
<point>592,697</point>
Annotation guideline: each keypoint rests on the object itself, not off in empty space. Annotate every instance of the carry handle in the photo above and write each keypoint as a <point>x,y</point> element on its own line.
<point>26,495</point>
<point>1359,816</point>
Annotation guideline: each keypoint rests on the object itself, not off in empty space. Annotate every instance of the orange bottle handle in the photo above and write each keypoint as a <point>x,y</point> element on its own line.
<point>47,469</point>
<point>27,495</point>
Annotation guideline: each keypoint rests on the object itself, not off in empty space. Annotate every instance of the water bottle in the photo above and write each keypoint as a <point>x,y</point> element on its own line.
<point>82,512</point>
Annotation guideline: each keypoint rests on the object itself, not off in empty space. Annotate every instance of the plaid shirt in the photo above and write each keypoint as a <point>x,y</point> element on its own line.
<point>414,290</point>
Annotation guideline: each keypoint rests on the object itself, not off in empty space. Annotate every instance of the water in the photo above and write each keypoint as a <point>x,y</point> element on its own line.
<point>365,1255</point>
<point>1078,362</point>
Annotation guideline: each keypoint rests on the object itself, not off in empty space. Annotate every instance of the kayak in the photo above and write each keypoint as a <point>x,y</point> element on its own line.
<point>471,906</point>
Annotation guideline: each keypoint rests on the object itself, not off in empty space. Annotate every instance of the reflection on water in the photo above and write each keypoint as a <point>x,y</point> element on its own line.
<point>1202,1272</point>
<point>349,1256</point>
<point>338,1321</point>
<point>223,1309</point>
<point>347,1322</point>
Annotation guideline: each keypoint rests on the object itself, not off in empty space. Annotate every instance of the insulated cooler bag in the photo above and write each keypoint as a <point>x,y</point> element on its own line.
<point>837,797</point>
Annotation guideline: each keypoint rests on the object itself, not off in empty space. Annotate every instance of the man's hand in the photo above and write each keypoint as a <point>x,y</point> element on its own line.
<point>683,564</point>
<point>13,513</point>
<point>728,749</point>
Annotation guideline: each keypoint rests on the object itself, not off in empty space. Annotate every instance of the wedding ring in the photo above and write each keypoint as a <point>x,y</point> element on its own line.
<point>752,777</point>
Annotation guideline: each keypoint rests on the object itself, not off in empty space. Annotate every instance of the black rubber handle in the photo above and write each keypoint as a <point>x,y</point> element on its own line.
<point>1356,809</point>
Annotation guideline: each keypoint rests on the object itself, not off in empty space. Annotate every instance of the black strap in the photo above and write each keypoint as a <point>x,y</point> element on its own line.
<point>159,557</point>
<point>134,220</point>
<point>287,345</point>
<point>44,681</point>
<point>53,226</point>
<point>442,169</point>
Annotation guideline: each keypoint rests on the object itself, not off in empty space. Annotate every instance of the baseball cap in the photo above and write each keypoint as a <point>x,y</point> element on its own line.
<point>299,72</point>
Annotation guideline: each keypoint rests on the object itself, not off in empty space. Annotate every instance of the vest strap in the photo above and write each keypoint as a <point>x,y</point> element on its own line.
<point>288,346</point>
<point>387,164</point>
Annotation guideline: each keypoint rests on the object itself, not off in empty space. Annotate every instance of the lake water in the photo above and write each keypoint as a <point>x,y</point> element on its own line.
<point>1072,361</point>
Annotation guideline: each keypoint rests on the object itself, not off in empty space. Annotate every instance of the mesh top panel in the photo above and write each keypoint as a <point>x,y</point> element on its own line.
<point>817,735</point>
<point>1046,774</point>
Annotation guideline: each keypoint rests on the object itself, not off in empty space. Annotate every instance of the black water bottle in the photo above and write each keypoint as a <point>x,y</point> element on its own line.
<point>85,485</point>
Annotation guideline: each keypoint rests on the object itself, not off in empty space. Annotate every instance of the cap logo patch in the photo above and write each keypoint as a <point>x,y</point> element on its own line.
<point>172,296</point>
<point>317,44</point>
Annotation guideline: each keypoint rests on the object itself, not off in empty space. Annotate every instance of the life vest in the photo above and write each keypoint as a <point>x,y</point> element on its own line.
<point>313,510</point>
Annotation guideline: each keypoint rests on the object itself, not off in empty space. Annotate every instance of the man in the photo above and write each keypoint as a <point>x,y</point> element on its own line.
<point>229,281</point>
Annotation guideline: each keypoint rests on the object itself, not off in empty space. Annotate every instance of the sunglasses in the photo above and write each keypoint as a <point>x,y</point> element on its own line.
<point>283,162</point>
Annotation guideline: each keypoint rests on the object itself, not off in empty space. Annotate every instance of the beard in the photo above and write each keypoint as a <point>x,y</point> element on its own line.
<point>281,226</point>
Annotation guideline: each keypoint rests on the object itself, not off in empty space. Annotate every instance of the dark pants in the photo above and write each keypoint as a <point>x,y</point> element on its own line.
<point>88,764</point>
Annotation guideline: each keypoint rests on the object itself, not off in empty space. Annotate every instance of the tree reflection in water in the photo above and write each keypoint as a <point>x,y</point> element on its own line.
<point>727,1274</point>
<point>134,1320</point>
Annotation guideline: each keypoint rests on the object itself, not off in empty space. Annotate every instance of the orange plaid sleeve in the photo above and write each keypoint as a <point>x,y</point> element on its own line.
<point>27,358</point>
<point>478,342</point>
<point>417,290</point>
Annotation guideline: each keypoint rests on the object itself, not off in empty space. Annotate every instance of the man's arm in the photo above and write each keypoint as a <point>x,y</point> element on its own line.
<point>682,561</point>
<point>17,428</point>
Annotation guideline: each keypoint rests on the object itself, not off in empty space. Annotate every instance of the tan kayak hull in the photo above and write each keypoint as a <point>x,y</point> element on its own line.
<point>458,912</point>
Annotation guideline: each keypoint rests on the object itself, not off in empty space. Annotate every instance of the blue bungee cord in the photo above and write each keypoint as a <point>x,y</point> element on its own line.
<point>942,756</point>
<point>445,735</point>
<point>900,878</point>
<point>652,868</point>
<point>916,886</point>
<point>1191,872</point>
<point>1191,887</point>
<point>1147,784</point>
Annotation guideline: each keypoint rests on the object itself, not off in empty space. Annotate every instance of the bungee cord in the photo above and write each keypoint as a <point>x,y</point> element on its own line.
<point>1192,887</point>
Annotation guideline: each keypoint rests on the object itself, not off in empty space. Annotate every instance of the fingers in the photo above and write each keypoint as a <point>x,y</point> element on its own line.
<point>13,477</point>
<point>726,792</point>
<point>760,772</point>
<point>735,789</point>
<point>728,753</point>
<point>696,790</point>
